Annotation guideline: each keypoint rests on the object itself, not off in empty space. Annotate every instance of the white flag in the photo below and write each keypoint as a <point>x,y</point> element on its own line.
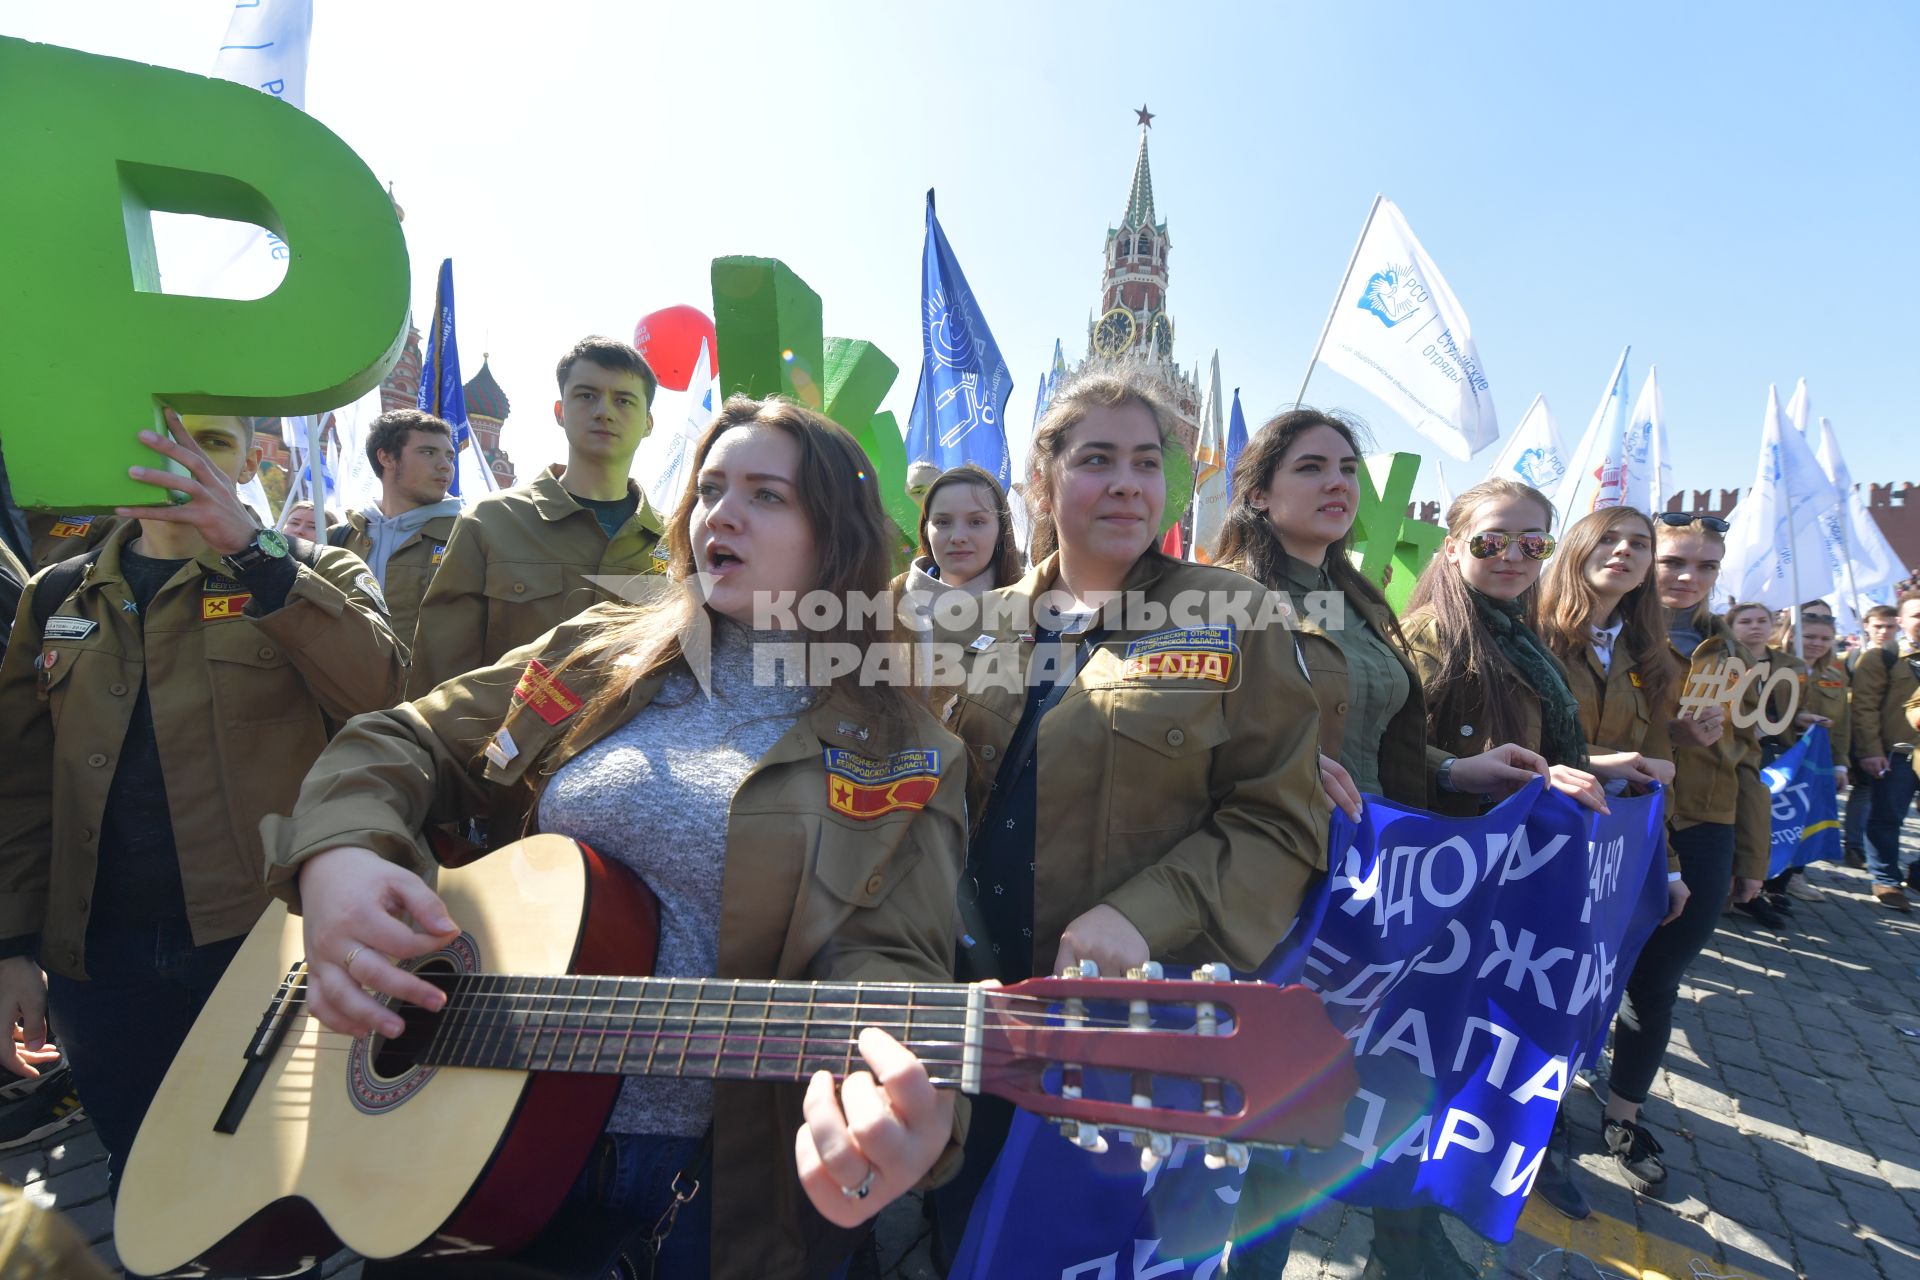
<point>1580,489</point>
<point>265,48</point>
<point>1399,332</point>
<point>1872,565</point>
<point>1210,478</point>
<point>356,486</point>
<point>1776,552</point>
<point>665,458</point>
<point>1535,454</point>
<point>1646,473</point>
<point>1800,408</point>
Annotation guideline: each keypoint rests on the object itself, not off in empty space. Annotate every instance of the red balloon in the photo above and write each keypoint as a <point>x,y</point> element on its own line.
<point>670,340</point>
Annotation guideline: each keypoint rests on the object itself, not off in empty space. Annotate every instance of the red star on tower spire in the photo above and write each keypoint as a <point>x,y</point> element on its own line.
<point>1146,116</point>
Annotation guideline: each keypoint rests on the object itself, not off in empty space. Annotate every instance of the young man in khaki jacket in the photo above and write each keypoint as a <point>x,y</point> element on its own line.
<point>1883,744</point>
<point>520,561</point>
<point>164,697</point>
<point>403,537</point>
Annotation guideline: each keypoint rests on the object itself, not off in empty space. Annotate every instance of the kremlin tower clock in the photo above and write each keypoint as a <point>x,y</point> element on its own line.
<point>1133,322</point>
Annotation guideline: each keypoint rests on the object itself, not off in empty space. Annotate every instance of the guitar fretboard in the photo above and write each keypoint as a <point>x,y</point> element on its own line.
<point>712,1028</point>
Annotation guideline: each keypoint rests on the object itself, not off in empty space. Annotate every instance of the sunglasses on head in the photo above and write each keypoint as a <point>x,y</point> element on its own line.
<point>1681,519</point>
<point>1534,546</point>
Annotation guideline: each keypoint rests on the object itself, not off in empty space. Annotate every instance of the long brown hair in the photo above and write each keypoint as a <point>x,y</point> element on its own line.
<point>1469,657</point>
<point>1102,387</point>
<point>1248,541</point>
<point>1701,617</point>
<point>1006,556</point>
<point>835,489</point>
<point>1569,605</point>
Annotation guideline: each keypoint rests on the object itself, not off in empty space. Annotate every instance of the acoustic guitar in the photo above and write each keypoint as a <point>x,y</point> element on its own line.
<point>295,1140</point>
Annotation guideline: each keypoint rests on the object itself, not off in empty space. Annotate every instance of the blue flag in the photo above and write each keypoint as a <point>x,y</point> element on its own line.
<point>1236,439</point>
<point>1806,808</point>
<point>442,392</point>
<point>964,384</point>
<point>1475,963</point>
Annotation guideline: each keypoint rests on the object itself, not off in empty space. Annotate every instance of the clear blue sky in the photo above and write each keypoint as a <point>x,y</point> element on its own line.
<point>1729,187</point>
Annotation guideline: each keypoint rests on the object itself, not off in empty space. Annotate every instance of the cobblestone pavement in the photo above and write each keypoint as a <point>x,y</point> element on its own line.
<point>1789,1108</point>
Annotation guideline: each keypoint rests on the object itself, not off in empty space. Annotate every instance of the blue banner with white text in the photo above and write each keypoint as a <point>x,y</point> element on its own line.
<point>1806,804</point>
<point>1475,963</point>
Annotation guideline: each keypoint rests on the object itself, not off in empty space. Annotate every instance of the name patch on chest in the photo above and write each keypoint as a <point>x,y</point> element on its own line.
<point>71,527</point>
<point>63,627</point>
<point>544,694</point>
<point>1187,653</point>
<point>867,787</point>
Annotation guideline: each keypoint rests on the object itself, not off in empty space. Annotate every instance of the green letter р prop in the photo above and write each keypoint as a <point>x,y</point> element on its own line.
<point>89,347</point>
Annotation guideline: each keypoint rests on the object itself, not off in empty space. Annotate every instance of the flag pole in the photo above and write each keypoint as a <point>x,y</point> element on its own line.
<point>1334,309</point>
<point>1592,437</point>
<point>316,477</point>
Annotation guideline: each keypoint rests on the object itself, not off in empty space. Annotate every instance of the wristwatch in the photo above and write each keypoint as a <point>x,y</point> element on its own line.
<point>1444,778</point>
<point>268,545</point>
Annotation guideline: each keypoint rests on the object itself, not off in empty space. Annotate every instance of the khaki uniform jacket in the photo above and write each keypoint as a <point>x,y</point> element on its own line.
<point>517,567</point>
<point>1190,804</point>
<point>409,569</point>
<point>808,892</point>
<point>241,706</point>
<point>1823,691</point>
<point>1459,726</point>
<point>1617,715</point>
<point>58,537</point>
<point>1405,773</point>
<point>1880,693</point>
<point>1722,783</point>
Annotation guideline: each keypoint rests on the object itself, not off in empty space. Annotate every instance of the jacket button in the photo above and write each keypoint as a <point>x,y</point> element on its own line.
<point>266,651</point>
<point>1340,708</point>
<point>1175,737</point>
<point>97,760</point>
<point>989,751</point>
<point>873,884</point>
<point>83,902</point>
<point>117,689</point>
<point>519,588</point>
<point>86,835</point>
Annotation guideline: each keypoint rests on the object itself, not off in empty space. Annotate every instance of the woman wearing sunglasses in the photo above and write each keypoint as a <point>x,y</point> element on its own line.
<point>1489,679</point>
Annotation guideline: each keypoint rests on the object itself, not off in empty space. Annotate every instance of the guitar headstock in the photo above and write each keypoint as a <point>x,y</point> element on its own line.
<point>1230,1064</point>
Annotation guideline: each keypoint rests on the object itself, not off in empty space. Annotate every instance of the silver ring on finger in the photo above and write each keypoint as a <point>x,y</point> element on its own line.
<point>865,1188</point>
<point>352,955</point>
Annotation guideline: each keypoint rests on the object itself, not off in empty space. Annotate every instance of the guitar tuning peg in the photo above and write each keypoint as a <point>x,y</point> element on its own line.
<point>1222,1154</point>
<point>1213,973</point>
<point>1083,1135</point>
<point>1159,1147</point>
<point>1081,969</point>
<point>1150,972</point>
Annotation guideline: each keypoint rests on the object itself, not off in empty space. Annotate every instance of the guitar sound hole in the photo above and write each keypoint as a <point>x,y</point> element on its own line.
<point>391,1059</point>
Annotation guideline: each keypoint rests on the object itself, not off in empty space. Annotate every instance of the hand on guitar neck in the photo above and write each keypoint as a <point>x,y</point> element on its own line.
<point>860,1148</point>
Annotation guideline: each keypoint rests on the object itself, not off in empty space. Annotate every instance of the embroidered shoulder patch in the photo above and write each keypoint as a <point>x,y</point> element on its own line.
<point>71,527</point>
<point>220,608</point>
<point>1184,653</point>
<point>544,694</point>
<point>64,627</point>
<point>866,787</point>
<point>371,588</point>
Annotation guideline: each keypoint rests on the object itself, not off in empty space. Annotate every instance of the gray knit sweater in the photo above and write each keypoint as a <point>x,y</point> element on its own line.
<point>654,794</point>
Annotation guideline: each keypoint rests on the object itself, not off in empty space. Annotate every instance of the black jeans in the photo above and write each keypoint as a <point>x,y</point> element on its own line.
<point>121,1026</point>
<point>1645,1023</point>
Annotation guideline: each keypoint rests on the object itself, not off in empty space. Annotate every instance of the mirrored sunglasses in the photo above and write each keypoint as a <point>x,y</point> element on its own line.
<point>1681,519</point>
<point>1534,546</point>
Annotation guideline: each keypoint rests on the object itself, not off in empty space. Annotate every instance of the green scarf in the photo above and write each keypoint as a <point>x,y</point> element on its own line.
<point>1560,738</point>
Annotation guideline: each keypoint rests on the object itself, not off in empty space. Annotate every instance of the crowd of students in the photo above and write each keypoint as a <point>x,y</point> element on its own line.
<point>205,714</point>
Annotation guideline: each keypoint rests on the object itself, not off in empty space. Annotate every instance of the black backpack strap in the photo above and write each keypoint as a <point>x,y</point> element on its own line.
<point>337,536</point>
<point>56,583</point>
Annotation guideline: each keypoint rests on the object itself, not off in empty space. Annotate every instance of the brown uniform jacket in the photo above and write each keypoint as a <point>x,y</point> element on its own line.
<point>1406,775</point>
<point>57,537</point>
<point>1722,783</point>
<point>409,569</point>
<point>1880,693</point>
<point>1458,726</point>
<point>1190,804</point>
<point>515,568</point>
<point>808,892</point>
<point>1617,715</point>
<point>1823,691</point>
<point>240,709</point>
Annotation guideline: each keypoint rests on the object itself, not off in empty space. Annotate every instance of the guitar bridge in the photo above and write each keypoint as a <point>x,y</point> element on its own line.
<point>261,1048</point>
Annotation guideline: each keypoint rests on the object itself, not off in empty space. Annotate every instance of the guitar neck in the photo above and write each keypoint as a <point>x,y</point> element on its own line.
<point>711,1028</point>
